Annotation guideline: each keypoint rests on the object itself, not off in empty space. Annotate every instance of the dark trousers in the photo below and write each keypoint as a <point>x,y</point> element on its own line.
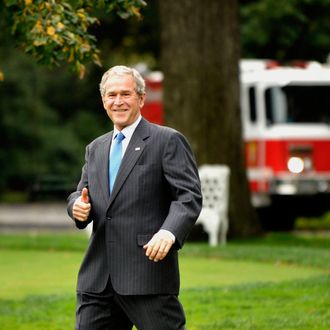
<point>110,311</point>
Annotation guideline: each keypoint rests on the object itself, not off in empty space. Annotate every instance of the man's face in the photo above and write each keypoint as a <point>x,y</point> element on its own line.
<point>121,102</point>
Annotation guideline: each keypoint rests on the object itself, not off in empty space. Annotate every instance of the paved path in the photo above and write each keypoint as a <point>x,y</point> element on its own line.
<point>34,217</point>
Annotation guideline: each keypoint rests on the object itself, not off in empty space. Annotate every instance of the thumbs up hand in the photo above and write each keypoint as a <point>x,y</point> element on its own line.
<point>82,207</point>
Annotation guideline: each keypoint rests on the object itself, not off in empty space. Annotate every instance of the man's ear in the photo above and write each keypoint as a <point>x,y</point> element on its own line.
<point>142,100</point>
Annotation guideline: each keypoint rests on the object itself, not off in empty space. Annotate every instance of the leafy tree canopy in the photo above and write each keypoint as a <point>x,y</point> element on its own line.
<point>57,32</point>
<point>285,29</point>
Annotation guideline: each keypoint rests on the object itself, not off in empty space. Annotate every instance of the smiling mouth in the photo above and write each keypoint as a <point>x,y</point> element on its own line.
<point>119,110</point>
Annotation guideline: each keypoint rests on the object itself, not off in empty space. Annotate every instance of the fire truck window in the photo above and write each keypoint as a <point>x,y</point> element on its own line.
<point>276,106</point>
<point>269,107</point>
<point>308,104</point>
<point>252,104</point>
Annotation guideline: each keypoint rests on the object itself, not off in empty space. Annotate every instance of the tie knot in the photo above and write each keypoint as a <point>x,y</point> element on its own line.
<point>120,137</point>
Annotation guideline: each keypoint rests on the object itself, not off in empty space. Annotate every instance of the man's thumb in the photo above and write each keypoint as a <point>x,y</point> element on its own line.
<point>84,195</point>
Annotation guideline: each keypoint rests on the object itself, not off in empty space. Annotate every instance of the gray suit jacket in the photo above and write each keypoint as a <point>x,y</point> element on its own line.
<point>157,187</point>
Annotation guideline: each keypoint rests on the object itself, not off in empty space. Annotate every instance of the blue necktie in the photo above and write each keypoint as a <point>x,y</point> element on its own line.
<point>115,159</point>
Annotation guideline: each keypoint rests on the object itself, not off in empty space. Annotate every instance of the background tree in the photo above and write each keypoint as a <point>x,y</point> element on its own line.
<point>57,32</point>
<point>200,54</point>
<point>47,116</point>
<point>285,29</point>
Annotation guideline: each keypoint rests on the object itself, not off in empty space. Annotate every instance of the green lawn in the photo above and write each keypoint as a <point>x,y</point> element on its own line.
<point>276,282</point>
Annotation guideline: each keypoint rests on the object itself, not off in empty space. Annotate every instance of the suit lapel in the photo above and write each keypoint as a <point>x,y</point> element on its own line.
<point>133,152</point>
<point>103,166</point>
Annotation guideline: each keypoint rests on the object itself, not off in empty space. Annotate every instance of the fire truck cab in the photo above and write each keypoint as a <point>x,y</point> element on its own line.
<point>286,128</point>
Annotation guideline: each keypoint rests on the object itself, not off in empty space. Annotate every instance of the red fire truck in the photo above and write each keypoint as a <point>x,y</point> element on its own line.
<point>286,129</point>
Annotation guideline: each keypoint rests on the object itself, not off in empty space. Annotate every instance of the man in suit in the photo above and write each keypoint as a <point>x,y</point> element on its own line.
<point>141,215</point>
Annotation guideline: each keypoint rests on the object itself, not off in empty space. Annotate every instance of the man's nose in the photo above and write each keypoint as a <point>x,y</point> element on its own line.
<point>118,99</point>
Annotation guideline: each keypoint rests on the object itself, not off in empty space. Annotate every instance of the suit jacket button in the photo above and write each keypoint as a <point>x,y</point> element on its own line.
<point>108,218</point>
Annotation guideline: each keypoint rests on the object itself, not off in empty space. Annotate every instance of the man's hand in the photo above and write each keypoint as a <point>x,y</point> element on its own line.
<point>158,247</point>
<point>82,207</point>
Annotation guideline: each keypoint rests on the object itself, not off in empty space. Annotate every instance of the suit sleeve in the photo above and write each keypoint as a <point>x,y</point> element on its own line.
<point>72,197</point>
<point>181,173</point>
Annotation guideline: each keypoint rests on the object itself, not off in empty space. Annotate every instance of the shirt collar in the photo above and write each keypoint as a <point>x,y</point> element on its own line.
<point>128,130</point>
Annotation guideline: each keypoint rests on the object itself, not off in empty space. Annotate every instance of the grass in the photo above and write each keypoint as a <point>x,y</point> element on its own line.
<point>320,223</point>
<point>280,281</point>
<point>298,304</point>
<point>37,272</point>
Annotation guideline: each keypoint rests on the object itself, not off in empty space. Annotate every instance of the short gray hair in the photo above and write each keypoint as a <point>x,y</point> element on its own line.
<point>121,70</point>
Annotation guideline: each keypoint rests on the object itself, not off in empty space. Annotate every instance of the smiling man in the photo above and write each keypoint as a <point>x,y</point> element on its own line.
<point>140,187</point>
